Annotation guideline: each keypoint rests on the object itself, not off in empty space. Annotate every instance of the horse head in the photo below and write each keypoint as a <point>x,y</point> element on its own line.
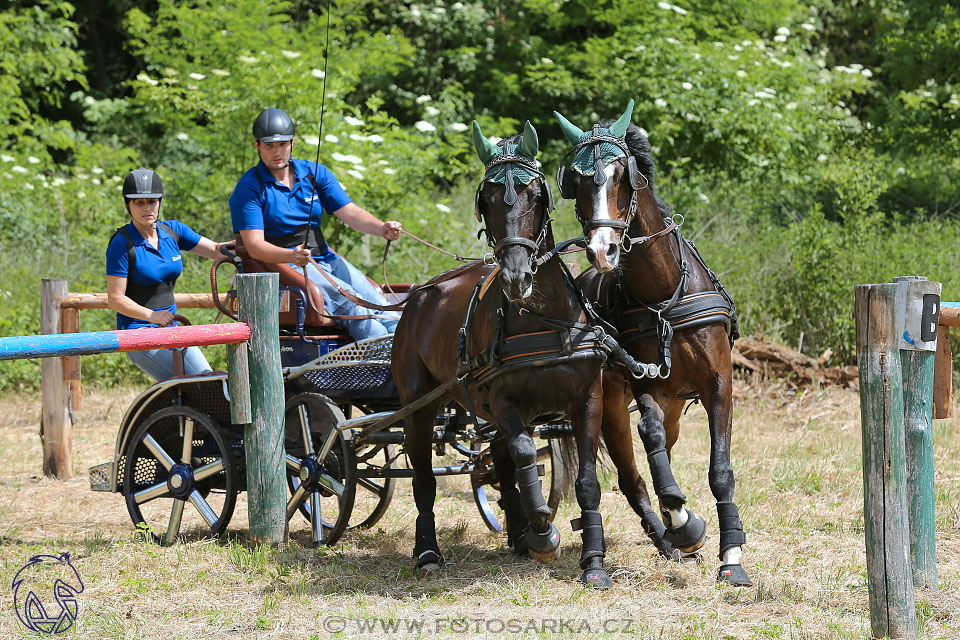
<point>513,201</point>
<point>604,180</point>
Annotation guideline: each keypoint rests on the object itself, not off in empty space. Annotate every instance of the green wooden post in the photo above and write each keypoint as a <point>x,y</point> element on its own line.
<point>258,295</point>
<point>919,301</point>
<point>885,519</point>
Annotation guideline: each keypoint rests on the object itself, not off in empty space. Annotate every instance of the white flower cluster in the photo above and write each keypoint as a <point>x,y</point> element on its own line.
<point>339,157</point>
<point>666,6</point>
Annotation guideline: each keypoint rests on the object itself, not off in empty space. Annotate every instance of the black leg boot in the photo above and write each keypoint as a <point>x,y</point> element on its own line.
<point>731,535</point>
<point>544,545</point>
<point>426,551</point>
<point>590,523</point>
<point>517,523</point>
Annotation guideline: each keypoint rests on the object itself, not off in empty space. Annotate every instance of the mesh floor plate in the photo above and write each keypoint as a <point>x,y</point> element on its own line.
<point>359,365</point>
<point>100,477</point>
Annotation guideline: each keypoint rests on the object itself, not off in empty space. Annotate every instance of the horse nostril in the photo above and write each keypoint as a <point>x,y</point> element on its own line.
<point>526,282</point>
<point>613,252</point>
<point>591,255</point>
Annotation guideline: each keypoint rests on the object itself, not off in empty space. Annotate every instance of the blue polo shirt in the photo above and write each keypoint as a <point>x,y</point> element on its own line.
<point>153,265</point>
<point>260,202</point>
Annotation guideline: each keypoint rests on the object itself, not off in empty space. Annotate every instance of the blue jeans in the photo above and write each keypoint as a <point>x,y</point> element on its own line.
<point>350,278</point>
<point>158,363</point>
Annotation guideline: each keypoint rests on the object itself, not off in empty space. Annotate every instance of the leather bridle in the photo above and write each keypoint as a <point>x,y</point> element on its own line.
<point>510,198</point>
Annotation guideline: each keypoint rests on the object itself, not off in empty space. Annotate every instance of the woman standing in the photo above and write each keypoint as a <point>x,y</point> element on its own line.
<point>143,263</point>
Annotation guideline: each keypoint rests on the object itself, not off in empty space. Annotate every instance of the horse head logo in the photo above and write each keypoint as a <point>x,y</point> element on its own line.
<point>39,577</point>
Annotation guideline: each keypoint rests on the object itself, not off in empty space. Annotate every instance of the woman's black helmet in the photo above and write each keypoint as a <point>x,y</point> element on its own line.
<point>142,183</point>
<point>273,125</point>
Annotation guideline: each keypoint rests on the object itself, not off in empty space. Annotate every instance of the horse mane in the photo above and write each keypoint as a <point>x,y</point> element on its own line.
<point>640,148</point>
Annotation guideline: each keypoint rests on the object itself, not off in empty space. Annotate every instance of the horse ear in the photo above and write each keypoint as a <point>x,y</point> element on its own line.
<point>485,149</point>
<point>619,128</point>
<point>569,130</point>
<point>529,143</point>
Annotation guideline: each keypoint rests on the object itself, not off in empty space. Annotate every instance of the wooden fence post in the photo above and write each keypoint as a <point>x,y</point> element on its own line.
<point>885,516</point>
<point>56,421</point>
<point>919,302</point>
<point>258,295</point>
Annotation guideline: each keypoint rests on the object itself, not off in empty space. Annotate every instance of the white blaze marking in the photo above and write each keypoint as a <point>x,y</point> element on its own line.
<point>602,237</point>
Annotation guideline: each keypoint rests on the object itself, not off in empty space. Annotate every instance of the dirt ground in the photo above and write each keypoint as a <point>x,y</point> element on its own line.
<point>799,488</point>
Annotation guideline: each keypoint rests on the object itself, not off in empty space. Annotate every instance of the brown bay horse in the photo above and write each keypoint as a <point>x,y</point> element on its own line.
<point>514,334</point>
<point>670,311</point>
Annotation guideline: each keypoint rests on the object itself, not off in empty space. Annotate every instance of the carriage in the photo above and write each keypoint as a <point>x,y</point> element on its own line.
<point>176,443</point>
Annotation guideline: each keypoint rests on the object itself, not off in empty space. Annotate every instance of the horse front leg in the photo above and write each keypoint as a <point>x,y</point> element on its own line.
<point>418,445</point>
<point>615,427</point>
<point>586,426</point>
<point>719,404</point>
<point>685,529</point>
<point>542,537</point>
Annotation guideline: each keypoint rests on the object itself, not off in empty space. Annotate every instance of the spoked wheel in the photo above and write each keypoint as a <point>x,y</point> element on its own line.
<point>557,482</point>
<point>321,475</point>
<point>373,494</point>
<point>179,476</point>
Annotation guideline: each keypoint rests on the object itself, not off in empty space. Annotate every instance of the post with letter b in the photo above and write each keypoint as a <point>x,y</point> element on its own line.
<point>919,301</point>
<point>896,339</point>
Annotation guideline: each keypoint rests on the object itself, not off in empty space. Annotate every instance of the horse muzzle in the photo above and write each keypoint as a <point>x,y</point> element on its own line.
<point>517,285</point>
<point>602,252</point>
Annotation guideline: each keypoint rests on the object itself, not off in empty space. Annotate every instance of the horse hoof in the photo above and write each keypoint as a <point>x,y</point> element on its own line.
<point>429,562</point>
<point>544,547</point>
<point>734,575</point>
<point>689,537</point>
<point>596,578</point>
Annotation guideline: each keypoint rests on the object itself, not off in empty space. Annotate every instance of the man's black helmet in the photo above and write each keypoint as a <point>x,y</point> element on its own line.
<point>142,183</point>
<point>273,125</point>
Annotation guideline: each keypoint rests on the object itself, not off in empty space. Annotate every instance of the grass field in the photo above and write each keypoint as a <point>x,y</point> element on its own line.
<point>799,487</point>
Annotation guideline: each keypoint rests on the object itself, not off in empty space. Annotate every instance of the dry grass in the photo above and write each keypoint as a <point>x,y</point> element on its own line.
<point>799,490</point>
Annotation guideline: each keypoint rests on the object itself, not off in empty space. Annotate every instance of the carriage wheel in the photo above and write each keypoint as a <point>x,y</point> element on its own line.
<point>180,476</point>
<point>322,486</point>
<point>373,495</point>
<point>556,481</point>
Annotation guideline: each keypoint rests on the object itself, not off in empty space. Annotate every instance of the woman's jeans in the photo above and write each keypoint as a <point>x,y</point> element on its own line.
<point>158,363</point>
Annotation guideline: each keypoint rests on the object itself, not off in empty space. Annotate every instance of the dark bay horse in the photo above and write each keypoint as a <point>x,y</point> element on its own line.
<point>670,310</point>
<point>514,334</point>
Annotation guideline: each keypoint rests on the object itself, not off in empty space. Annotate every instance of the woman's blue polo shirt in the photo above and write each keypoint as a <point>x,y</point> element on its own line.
<point>260,202</point>
<point>153,265</point>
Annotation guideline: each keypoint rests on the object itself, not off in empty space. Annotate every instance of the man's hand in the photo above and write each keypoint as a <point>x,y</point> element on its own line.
<point>301,255</point>
<point>391,230</point>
